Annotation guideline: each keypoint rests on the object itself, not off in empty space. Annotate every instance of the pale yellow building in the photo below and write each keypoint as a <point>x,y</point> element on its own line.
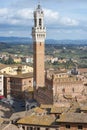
<point>13,69</point>
<point>17,60</point>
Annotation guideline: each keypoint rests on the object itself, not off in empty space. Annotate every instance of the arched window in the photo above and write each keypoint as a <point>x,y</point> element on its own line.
<point>73,90</point>
<point>80,127</point>
<point>63,90</point>
<point>40,43</point>
<point>40,22</point>
<point>35,22</point>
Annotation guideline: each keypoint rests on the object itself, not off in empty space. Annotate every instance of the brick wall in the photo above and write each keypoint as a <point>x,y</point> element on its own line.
<point>44,95</point>
<point>38,57</point>
<point>16,86</point>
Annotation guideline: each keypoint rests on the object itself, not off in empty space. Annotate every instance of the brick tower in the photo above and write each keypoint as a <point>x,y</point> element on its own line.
<point>38,35</point>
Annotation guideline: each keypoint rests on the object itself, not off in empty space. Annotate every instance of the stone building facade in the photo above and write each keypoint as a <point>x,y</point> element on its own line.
<point>1,84</point>
<point>44,95</point>
<point>66,86</point>
<point>17,86</point>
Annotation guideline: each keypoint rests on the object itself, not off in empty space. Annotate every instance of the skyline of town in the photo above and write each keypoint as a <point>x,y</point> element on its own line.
<point>42,87</point>
<point>64,19</point>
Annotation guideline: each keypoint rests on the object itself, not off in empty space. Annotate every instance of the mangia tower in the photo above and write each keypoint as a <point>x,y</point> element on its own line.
<point>38,35</point>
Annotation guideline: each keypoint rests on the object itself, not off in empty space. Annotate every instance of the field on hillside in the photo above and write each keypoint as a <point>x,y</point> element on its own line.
<point>77,52</point>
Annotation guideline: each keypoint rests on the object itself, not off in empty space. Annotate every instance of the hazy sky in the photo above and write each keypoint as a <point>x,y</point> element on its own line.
<point>64,19</point>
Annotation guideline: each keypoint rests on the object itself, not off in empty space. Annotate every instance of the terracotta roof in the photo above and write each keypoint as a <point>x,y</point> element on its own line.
<point>6,75</point>
<point>46,106</point>
<point>73,118</point>
<point>30,89</point>
<point>39,110</point>
<point>45,120</point>
<point>57,71</point>
<point>18,115</point>
<point>82,70</point>
<point>5,110</point>
<point>1,73</point>
<point>67,96</point>
<point>1,120</point>
<point>16,65</point>
<point>12,65</point>
<point>10,127</point>
<point>74,106</point>
<point>26,75</point>
<point>83,108</point>
<point>60,72</point>
<point>58,110</point>
<point>22,114</point>
<point>2,66</point>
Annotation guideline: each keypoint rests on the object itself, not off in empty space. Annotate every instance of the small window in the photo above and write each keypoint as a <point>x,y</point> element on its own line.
<point>24,82</point>
<point>31,128</point>
<point>40,43</point>
<point>39,22</point>
<point>80,127</point>
<point>47,128</point>
<point>68,126</point>
<point>29,81</point>
<point>59,75</point>
<point>23,127</point>
<point>38,128</point>
<point>73,90</point>
<point>35,22</point>
<point>63,90</point>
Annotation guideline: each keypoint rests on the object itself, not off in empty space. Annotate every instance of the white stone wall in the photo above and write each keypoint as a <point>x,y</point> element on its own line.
<point>1,85</point>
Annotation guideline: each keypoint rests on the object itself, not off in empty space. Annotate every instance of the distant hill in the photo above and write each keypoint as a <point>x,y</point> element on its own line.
<point>26,40</point>
<point>69,42</point>
<point>4,45</point>
<point>15,40</point>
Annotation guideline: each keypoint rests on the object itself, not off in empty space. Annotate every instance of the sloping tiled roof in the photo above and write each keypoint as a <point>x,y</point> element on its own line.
<point>1,73</point>
<point>5,110</point>
<point>83,108</point>
<point>39,110</point>
<point>68,96</point>
<point>10,127</point>
<point>26,75</point>
<point>73,118</point>
<point>1,120</point>
<point>34,119</point>
<point>30,89</point>
<point>22,114</point>
<point>18,115</point>
<point>74,107</point>
<point>46,106</point>
<point>58,110</point>
<point>2,66</point>
<point>82,70</point>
